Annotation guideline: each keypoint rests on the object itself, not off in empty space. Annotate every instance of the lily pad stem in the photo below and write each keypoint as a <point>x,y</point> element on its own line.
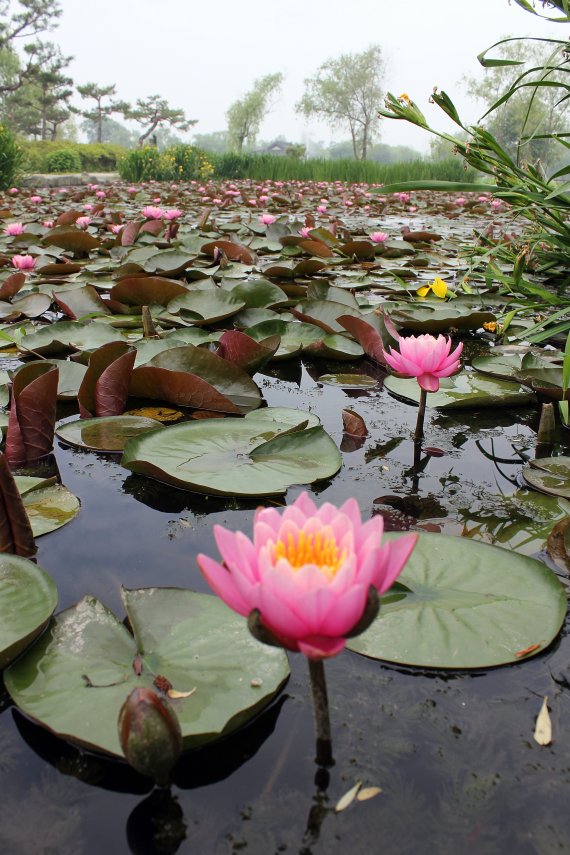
<point>418,435</point>
<point>321,713</point>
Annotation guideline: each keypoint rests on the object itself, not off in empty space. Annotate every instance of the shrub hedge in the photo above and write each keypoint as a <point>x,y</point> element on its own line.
<point>92,157</point>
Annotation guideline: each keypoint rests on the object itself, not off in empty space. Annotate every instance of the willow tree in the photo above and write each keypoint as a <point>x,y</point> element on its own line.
<point>345,92</point>
<point>246,114</point>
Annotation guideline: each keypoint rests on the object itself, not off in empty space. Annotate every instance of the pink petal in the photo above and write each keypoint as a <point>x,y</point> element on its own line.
<point>237,551</point>
<point>321,647</point>
<point>316,606</point>
<point>278,616</point>
<point>428,382</point>
<point>347,611</point>
<point>221,582</point>
<point>397,553</point>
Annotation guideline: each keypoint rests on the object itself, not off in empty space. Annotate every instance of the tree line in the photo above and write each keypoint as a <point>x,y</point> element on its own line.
<point>346,92</point>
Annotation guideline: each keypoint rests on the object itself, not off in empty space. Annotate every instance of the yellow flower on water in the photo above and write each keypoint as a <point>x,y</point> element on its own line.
<point>438,287</point>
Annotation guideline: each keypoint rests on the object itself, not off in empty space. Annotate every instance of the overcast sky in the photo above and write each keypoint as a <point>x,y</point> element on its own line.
<point>201,56</point>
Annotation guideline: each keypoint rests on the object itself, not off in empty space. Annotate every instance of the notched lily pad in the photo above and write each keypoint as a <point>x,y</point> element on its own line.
<point>75,680</point>
<point>463,390</point>
<point>349,381</point>
<point>262,454</point>
<point>462,604</point>
<point>549,475</point>
<point>28,596</point>
<point>108,434</point>
<point>49,505</point>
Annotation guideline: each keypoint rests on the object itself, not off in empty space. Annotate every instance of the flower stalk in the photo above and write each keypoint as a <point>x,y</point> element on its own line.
<point>419,432</point>
<point>321,715</point>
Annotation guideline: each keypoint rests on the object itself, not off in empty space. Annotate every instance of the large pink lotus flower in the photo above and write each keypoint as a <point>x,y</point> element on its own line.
<point>426,358</point>
<point>308,572</point>
<point>24,262</point>
<point>13,229</point>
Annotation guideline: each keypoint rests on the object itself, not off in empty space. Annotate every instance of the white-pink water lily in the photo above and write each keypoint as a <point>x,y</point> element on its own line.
<point>425,357</point>
<point>13,229</point>
<point>307,572</point>
<point>24,262</point>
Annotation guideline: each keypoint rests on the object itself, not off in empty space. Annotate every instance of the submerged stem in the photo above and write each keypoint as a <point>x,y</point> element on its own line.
<point>321,713</point>
<point>418,435</point>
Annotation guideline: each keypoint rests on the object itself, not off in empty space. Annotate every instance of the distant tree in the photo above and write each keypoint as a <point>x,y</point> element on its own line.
<point>21,20</point>
<point>246,114</point>
<point>41,104</point>
<point>154,112</point>
<point>347,92</point>
<point>101,110</point>
<point>113,132</point>
<point>216,142</point>
<point>297,151</point>
<point>441,149</point>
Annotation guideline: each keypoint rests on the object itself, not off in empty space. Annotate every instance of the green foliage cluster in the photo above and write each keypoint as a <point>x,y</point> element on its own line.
<point>180,162</point>
<point>63,160</point>
<point>11,157</point>
<point>270,167</point>
<point>92,157</point>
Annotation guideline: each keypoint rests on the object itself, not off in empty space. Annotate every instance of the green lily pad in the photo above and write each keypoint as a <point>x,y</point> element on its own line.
<point>462,604</point>
<point>260,455</point>
<point>325,313</point>
<point>333,346</point>
<point>205,307</point>
<point>256,293</point>
<point>295,336</point>
<point>107,434</point>
<point>466,389</point>
<point>75,679</point>
<point>49,505</point>
<point>349,381</point>
<point>423,319</point>
<point>69,335</point>
<point>70,377</point>
<point>28,597</point>
<point>549,475</point>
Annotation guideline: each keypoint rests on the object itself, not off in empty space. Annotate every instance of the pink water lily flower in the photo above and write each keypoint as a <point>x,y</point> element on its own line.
<point>13,229</point>
<point>426,358</point>
<point>267,219</point>
<point>378,237</point>
<point>308,572</point>
<point>82,222</point>
<point>152,213</point>
<point>24,262</point>
<point>172,214</point>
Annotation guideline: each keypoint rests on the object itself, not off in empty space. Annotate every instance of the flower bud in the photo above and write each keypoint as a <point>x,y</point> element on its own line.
<point>149,733</point>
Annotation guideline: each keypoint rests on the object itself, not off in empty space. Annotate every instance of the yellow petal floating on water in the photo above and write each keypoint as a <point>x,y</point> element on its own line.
<point>367,793</point>
<point>423,291</point>
<point>348,798</point>
<point>439,287</point>
<point>543,727</point>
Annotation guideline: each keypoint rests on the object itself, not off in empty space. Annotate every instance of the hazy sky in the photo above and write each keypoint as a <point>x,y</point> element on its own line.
<point>203,55</point>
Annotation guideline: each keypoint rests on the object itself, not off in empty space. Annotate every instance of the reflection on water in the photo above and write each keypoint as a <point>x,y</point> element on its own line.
<point>453,754</point>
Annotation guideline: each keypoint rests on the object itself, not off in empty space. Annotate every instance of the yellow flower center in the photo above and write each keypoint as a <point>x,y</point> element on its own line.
<point>311,548</point>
